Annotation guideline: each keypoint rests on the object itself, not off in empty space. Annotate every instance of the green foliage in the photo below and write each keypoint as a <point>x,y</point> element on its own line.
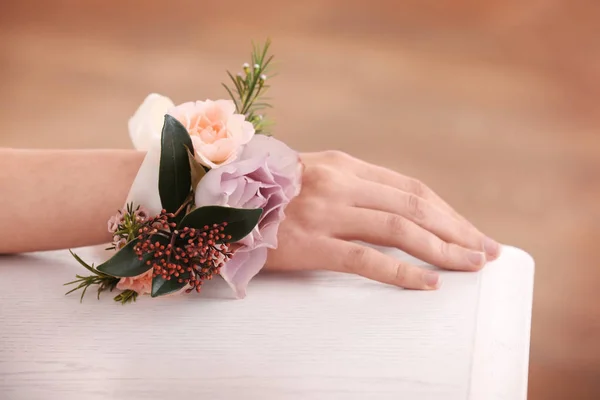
<point>125,263</point>
<point>162,287</point>
<point>240,222</point>
<point>174,179</point>
<point>104,281</point>
<point>127,296</point>
<point>249,87</point>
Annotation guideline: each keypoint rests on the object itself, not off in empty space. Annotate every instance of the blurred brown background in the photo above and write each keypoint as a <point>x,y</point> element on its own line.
<point>495,104</point>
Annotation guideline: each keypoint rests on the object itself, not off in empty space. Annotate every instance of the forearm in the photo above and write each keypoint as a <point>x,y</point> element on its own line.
<point>54,199</point>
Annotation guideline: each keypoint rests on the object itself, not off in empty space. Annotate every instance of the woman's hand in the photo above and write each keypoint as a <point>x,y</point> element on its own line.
<point>344,199</point>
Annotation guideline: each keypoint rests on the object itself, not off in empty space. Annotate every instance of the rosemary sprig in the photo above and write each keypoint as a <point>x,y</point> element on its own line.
<point>104,282</point>
<point>127,296</point>
<point>250,87</point>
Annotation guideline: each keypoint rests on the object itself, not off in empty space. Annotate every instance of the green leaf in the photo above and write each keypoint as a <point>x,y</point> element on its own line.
<point>126,263</point>
<point>174,179</point>
<point>239,89</point>
<point>126,296</point>
<point>258,106</point>
<point>161,287</point>
<point>237,108</point>
<point>240,222</point>
<point>197,170</point>
<point>266,64</point>
<point>84,264</point>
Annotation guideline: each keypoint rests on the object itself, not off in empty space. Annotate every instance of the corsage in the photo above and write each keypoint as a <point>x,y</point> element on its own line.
<point>208,198</point>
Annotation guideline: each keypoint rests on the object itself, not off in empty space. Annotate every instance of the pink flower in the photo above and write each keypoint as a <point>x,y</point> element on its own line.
<point>114,222</point>
<point>142,284</point>
<point>217,132</point>
<point>119,242</point>
<point>141,214</point>
<point>267,175</point>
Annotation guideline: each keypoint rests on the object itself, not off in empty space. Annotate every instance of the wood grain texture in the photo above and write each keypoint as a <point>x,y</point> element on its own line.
<point>299,336</point>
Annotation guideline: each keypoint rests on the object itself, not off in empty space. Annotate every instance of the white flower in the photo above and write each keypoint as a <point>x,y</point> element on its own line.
<point>144,191</point>
<point>145,126</point>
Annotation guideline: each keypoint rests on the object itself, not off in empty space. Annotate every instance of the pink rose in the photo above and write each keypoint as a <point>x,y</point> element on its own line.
<point>217,132</point>
<point>142,284</point>
<point>267,175</point>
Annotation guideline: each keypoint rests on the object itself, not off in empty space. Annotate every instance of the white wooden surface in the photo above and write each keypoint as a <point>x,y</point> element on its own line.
<point>296,336</point>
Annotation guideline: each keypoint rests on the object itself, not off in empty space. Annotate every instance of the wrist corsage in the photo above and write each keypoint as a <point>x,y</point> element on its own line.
<point>208,198</point>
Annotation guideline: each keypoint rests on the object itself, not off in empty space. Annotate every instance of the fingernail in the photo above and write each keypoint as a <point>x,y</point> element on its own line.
<point>432,279</point>
<point>491,248</point>
<point>476,258</point>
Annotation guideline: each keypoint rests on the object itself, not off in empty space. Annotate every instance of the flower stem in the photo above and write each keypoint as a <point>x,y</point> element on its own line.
<point>184,205</point>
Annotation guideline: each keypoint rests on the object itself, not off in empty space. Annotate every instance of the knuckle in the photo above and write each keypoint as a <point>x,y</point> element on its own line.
<point>320,174</point>
<point>325,181</point>
<point>400,275</point>
<point>355,258</point>
<point>317,178</point>
<point>337,157</point>
<point>417,187</point>
<point>416,207</point>
<point>444,251</point>
<point>395,224</point>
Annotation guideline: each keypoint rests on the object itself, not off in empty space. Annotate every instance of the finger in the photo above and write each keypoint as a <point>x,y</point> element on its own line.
<point>388,177</point>
<point>426,214</point>
<point>365,261</point>
<point>392,230</point>
<point>391,178</point>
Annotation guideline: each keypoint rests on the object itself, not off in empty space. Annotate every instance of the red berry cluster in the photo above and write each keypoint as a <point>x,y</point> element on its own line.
<point>189,255</point>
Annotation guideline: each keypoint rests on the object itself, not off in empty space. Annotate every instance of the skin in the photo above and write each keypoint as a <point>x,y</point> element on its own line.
<point>55,199</point>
